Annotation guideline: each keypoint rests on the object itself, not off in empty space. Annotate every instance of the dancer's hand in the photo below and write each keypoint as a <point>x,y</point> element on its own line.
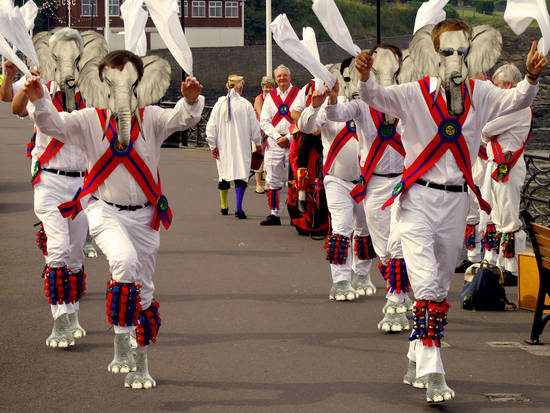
<point>283,142</point>
<point>332,93</point>
<point>10,69</point>
<point>317,99</point>
<point>33,89</point>
<point>191,89</point>
<point>215,153</point>
<point>535,64</point>
<point>363,64</point>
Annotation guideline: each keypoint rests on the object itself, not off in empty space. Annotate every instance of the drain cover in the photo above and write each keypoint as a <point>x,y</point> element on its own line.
<point>504,344</point>
<point>506,397</point>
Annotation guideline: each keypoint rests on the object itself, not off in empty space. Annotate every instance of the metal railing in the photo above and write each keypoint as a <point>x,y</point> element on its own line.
<point>535,194</point>
<point>195,135</point>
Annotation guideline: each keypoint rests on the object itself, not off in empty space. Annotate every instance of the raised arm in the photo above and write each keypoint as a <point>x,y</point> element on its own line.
<point>514,121</point>
<point>339,112</point>
<point>19,104</point>
<point>313,116</point>
<point>6,89</point>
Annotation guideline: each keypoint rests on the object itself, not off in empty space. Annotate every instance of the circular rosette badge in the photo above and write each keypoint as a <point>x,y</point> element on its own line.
<point>350,124</point>
<point>386,131</point>
<point>36,169</point>
<point>362,180</point>
<point>398,189</point>
<point>450,130</point>
<point>119,149</point>
<point>283,109</point>
<point>503,168</point>
<point>162,203</point>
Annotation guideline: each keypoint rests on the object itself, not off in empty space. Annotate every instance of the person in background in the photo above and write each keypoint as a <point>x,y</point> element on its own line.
<point>267,85</point>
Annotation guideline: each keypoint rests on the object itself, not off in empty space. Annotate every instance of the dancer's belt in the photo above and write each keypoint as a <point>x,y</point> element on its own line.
<point>450,188</point>
<point>392,175</point>
<point>124,207</point>
<point>64,173</point>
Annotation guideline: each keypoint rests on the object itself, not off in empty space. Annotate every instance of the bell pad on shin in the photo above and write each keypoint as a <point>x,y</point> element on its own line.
<point>336,247</point>
<point>364,250</point>
<point>395,274</point>
<point>123,303</point>
<point>60,287</point>
<point>62,334</point>
<point>124,358</point>
<point>149,324</point>
<point>140,379</point>
<point>429,319</point>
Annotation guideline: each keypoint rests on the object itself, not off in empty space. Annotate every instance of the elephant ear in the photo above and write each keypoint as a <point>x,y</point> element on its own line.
<point>93,90</point>
<point>422,53</point>
<point>155,81</point>
<point>408,72</point>
<point>94,45</point>
<point>45,59</point>
<point>485,48</point>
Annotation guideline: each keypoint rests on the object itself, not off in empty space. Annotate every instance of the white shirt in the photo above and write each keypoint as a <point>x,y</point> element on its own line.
<point>300,103</point>
<point>269,109</point>
<point>233,137</point>
<point>70,158</point>
<point>511,131</point>
<point>407,103</point>
<point>346,164</point>
<point>391,161</point>
<point>83,128</point>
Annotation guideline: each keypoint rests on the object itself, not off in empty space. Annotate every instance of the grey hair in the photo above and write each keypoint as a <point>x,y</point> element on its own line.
<point>281,67</point>
<point>66,34</point>
<point>508,72</point>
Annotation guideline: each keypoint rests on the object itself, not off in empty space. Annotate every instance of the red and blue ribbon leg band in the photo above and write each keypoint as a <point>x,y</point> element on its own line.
<point>429,321</point>
<point>123,303</point>
<point>149,325</point>
<point>336,247</point>
<point>57,285</point>
<point>364,250</point>
<point>395,274</point>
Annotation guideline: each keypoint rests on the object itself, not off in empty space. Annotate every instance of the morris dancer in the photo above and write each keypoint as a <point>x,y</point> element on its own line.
<point>58,171</point>
<point>341,172</point>
<point>230,130</point>
<point>127,204</point>
<point>506,139</point>
<point>275,121</point>
<point>440,148</point>
<point>381,154</point>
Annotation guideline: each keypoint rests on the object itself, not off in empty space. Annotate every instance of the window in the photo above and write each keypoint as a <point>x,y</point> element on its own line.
<point>198,8</point>
<point>232,9</point>
<point>185,9</point>
<point>214,9</point>
<point>89,8</point>
<point>114,8</point>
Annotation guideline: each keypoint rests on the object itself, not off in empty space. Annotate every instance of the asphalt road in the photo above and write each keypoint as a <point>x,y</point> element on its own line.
<point>247,324</point>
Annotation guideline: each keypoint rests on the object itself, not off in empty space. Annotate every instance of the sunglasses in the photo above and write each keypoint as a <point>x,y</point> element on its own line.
<point>449,51</point>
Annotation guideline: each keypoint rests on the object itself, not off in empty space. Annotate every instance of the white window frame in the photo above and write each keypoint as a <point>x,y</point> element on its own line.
<point>185,8</point>
<point>114,4</point>
<point>199,4</point>
<point>232,5</point>
<point>215,5</point>
<point>92,7</point>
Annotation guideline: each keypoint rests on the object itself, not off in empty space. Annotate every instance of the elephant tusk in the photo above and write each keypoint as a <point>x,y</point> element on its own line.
<point>138,119</point>
<point>469,91</point>
<point>437,89</point>
<point>107,123</point>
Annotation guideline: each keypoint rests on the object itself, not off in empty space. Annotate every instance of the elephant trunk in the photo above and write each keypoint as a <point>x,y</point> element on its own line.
<point>453,92</point>
<point>69,93</point>
<point>123,125</point>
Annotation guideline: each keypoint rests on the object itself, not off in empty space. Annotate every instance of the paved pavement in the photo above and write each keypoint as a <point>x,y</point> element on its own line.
<point>247,324</point>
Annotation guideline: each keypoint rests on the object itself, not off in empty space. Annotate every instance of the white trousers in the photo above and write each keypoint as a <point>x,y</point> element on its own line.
<point>431,225</point>
<point>478,172</point>
<point>275,161</point>
<point>347,218</point>
<point>506,198</point>
<point>382,225</point>
<point>130,245</point>
<point>66,237</point>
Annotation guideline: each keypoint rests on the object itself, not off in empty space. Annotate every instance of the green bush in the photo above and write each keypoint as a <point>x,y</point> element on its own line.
<point>484,6</point>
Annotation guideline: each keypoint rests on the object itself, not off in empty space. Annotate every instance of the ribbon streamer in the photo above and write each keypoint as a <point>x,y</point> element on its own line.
<point>288,41</point>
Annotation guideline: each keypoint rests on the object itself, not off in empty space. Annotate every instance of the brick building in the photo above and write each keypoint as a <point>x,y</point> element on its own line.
<point>208,23</point>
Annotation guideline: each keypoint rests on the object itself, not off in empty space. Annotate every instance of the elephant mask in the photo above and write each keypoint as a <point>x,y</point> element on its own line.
<point>62,53</point>
<point>459,57</point>
<point>122,93</point>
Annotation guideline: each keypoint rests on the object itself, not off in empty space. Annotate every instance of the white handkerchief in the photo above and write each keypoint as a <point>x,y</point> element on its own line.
<point>286,38</point>
<point>331,19</point>
<point>13,28</point>
<point>520,13</point>
<point>310,42</point>
<point>430,12</point>
<point>165,16</point>
<point>8,53</point>
<point>29,10</point>
<point>135,19</point>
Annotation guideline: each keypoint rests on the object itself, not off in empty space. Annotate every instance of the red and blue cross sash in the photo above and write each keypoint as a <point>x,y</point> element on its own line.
<point>483,152</point>
<point>448,137</point>
<point>130,158</point>
<point>386,135</point>
<point>54,146</point>
<point>310,88</point>
<point>504,166</point>
<point>348,132</point>
<point>283,108</point>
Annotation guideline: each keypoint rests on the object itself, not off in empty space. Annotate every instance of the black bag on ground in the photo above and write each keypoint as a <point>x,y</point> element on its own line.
<point>484,291</point>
